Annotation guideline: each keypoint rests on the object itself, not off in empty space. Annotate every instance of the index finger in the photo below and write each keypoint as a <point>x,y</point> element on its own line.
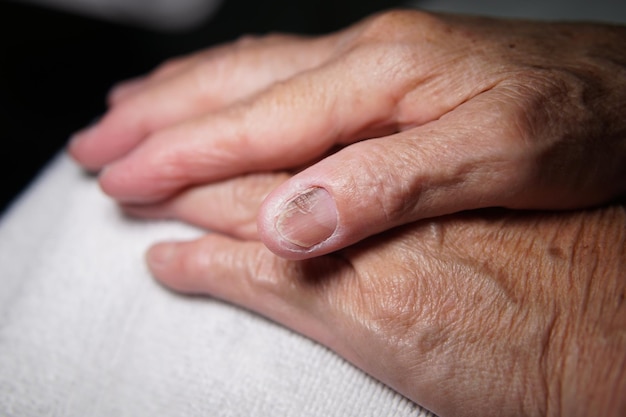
<point>191,87</point>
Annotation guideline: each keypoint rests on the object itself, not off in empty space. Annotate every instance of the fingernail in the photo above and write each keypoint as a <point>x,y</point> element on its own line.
<point>308,219</point>
<point>159,256</point>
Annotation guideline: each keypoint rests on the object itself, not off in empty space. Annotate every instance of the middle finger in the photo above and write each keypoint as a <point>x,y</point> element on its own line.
<point>229,207</point>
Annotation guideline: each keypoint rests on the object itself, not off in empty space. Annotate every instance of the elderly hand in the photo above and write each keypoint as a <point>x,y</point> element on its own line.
<point>403,116</point>
<point>490,313</point>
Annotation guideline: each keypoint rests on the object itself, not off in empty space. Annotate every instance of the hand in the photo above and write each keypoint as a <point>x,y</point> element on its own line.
<point>401,117</point>
<point>489,313</point>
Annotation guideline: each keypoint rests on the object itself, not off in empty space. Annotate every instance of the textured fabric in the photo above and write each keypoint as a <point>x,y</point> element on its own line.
<point>85,331</point>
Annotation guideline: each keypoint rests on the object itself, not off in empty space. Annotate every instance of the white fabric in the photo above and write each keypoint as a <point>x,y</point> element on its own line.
<point>86,332</point>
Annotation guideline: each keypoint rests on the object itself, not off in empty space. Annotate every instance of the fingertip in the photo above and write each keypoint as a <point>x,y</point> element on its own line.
<point>79,149</point>
<point>160,255</point>
<point>114,180</point>
<point>161,261</point>
<point>124,89</point>
<point>106,181</point>
<point>128,182</point>
<point>300,223</point>
<point>97,144</point>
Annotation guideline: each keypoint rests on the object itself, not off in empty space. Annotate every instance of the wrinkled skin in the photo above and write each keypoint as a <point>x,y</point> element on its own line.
<point>475,314</point>
<point>405,116</point>
<point>424,115</point>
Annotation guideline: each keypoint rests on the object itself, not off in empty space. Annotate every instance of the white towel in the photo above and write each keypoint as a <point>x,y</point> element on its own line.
<point>85,331</point>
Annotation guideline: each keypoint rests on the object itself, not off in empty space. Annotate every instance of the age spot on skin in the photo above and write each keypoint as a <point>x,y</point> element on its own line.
<point>556,252</point>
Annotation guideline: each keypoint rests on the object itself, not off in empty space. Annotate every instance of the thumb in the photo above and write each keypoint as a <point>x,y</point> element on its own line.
<point>375,185</point>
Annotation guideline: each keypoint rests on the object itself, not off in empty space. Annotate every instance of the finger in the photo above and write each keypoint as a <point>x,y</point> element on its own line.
<point>180,65</point>
<point>325,299</point>
<point>247,274</point>
<point>189,88</point>
<point>289,124</point>
<point>418,309</point>
<point>128,88</point>
<point>229,207</point>
<point>124,89</point>
<point>456,163</point>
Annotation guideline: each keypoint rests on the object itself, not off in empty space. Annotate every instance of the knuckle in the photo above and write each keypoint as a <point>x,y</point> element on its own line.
<point>408,306</point>
<point>269,274</point>
<point>223,62</point>
<point>541,104</point>
<point>396,25</point>
<point>393,63</point>
<point>209,73</point>
<point>396,305</point>
<point>389,179</point>
<point>164,163</point>
<point>386,46</point>
<point>318,284</point>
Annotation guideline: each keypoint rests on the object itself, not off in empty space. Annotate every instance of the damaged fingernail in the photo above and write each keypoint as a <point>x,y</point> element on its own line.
<point>309,218</point>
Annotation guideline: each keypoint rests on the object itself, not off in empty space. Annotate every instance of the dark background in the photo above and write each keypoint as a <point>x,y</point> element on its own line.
<point>56,67</point>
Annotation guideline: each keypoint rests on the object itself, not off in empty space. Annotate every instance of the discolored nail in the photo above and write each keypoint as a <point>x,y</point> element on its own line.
<point>309,218</point>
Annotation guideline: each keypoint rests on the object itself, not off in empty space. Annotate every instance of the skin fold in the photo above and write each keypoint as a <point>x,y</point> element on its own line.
<point>467,245</point>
